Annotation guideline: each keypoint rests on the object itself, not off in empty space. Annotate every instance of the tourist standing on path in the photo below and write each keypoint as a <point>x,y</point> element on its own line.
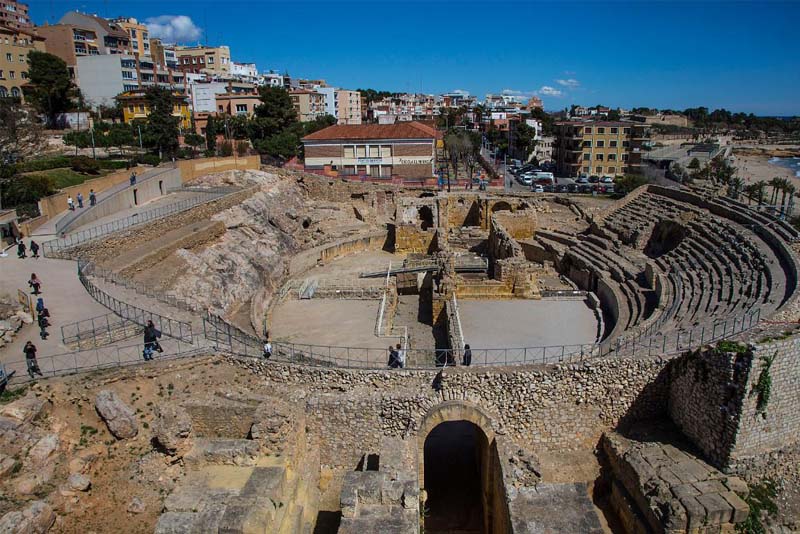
<point>151,335</point>
<point>267,349</point>
<point>35,283</point>
<point>39,305</point>
<point>392,358</point>
<point>21,249</point>
<point>80,199</point>
<point>401,356</point>
<point>30,359</point>
<point>133,178</point>
<point>70,204</point>
<point>35,248</point>
<point>467,359</point>
<point>92,198</point>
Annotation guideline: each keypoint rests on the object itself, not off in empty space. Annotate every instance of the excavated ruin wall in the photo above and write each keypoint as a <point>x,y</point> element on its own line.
<point>553,408</point>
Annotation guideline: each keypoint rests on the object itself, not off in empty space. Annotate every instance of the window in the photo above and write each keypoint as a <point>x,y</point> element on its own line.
<point>614,131</point>
<point>626,131</point>
<point>374,151</point>
<point>9,57</point>
<point>625,144</point>
<point>127,75</point>
<point>3,91</point>
<point>361,169</point>
<point>598,157</point>
<point>624,157</point>
<point>598,169</point>
<point>141,108</point>
<point>22,58</point>
<point>1,75</point>
<point>612,144</point>
<point>587,144</point>
<point>601,130</point>
<point>241,108</point>
<point>361,151</point>
<point>587,130</point>
<point>612,157</point>
<point>612,170</point>
<point>587,169</point>
<point>386,152</point>
<point>130,109</point>
<point>349,151</point>
<point>23,75</point>
<point>587,157</point>
<point>15,92</point>
<point>133,33</point>
<point>210,60</point>
<point>601,144</point>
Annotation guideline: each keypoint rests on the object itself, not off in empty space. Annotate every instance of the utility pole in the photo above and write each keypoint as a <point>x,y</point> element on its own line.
<point>139,126</point>
<point>94,155</point>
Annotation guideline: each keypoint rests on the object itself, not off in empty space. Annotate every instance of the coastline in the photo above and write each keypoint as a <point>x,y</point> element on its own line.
<point>754,165</point>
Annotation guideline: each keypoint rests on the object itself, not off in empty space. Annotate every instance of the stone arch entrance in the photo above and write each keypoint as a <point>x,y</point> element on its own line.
<point>464,486</point>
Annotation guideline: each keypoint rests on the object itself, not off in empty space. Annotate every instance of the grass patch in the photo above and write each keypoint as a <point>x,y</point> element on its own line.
<point>10,395</point>
<point>66,177</point>
<point>731,346</point>
<point>761,501</point>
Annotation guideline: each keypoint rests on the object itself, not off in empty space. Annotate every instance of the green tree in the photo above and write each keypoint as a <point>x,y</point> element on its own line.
<point>120,135</point>
<point>524,141</point>
<point>212,130</point>
<point>276,108</point>
<point>194,140</point>
<point>78,138</point>
<point>284,145</point>
<point>49,89</point>
<point>629,182</point>
<point>20,133</point>
<point>614,115</point>
<point>161,132</point>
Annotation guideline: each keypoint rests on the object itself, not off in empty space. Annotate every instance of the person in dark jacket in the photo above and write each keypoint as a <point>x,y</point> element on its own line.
<point>34,248</point>
<point>92,198</point>
<point>21,250</point>
<point>35,283</point>
<point>43,319</point>
<point>467,359</point>
<point>151,335</point>
<point>30,359</point>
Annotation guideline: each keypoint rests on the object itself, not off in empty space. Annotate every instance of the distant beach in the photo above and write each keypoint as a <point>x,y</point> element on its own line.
<point>792,164</point>
<point>760,164</point>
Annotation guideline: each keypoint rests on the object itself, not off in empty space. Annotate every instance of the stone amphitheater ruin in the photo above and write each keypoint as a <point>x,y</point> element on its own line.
<point>619,356</point>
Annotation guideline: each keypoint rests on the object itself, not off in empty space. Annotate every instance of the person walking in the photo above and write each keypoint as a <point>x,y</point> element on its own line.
<point>151,335</point>
<point>30,359</point>
<point>35,283</point>
<point>267,349</point>
<point>70,203</point>
<point>21,249</point>
<point>92,198</point>
<point>39,305</point>
<point>35,249</point>
<point>42,319</point>
<point>79,197</point>
<point>401,356</point>
<point>466,360</point>
<point>133,178</point>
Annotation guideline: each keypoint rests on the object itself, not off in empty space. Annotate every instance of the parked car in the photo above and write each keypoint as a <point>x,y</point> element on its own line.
<point>608,189</point>
<point>593,179</point>
<point>572,188</point>
<point>526,178</point>
<point>607,180</point>
<point>562,188</point>
<point>537,189</point>
<point>585,188</point>
<point>582,180</point>
<point>548,188</point>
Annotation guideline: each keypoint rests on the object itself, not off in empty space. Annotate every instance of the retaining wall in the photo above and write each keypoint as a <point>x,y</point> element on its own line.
<point>51,206</point>
<point>193,168</point>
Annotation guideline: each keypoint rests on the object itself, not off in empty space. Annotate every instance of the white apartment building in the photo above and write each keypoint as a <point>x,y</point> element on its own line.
<point>246,72</point>
<point>343,104</point>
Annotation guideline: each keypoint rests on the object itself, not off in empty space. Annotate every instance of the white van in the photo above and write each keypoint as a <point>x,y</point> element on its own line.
<point>544,178</point>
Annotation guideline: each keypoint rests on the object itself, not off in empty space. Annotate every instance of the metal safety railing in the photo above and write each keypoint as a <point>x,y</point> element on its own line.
<point>98,331</point>
<point>57,248</point>
<point>169,327</point>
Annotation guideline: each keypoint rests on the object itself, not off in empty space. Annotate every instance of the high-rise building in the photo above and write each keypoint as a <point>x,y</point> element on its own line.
<point>603,148</point>
<point>138,34</point>
<point>69,42</point>
<point>163,55</point>
<point>308,104</point>
<point>212,60</point>
<point>15,44</point>
<point>111,37</point>
<point>14,14</point>
<point>102,78</point>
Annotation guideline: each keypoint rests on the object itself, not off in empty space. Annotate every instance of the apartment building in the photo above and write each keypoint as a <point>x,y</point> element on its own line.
<point>102,78</point>
<point>602,148</point>
<point>15,44</point>
<point>135,106</point>
<point>138,34</point>
<point>212,60</point>
<point>246,72</point>
<point>273,79</point>
<point>308,104</point>
<point>69,42</point>
<point>163,55</point>
<point>416,105</point>
<point>111,38</point>
<point>343,104</point>
<point>14,14</point>
<point>406,151</point>
<point>204,93</point>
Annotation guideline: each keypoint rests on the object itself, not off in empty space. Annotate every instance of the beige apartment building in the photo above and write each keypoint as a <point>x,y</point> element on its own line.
<point>69,42</point>
<point>348,107</point>
<point>601,148</point>
<point>15,43</point>
<point>308,104</point>
<point>139,36</point>
<point>214,60</point>
<point>14,14</point>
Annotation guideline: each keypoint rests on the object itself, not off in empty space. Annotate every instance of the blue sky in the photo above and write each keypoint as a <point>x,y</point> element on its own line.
<point>736,55</point>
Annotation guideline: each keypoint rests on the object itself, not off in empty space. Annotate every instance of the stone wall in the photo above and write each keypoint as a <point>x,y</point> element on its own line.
<point>410,239</point>
<point>552,408</point>
<point>519,225</point>
<point>219,420</point>
<point>193,168</point>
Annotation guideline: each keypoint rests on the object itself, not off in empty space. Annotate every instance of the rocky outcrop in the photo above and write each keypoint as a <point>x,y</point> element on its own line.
<point>37,518</point>
<point>171,429</point>
<point>118,416</point>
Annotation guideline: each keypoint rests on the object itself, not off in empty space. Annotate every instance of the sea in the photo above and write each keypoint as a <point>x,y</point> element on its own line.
<point>789,163</point>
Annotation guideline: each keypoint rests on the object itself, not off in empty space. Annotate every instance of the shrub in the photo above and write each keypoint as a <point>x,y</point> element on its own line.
<point>44,164</point>
<point>113,163</point>
<point>148,159</point>
<point>242,147</point>
<point>210,153</point>
<point>226,149</point>
<point>27,190</point>
<point>85,165</point>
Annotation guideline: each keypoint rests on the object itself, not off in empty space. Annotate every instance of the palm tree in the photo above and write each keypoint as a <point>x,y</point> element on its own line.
<point>762,189</point>
<point>787,189</point>
<point>735,186</point>
<point>783,186</point>
<point>775,184</point>
<point>750,190</point>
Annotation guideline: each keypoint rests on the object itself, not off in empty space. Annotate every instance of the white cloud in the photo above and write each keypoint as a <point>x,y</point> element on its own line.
<point>460,92</point>
<point>570,82</point>
<point>173,28</point>
<point>549,91</point>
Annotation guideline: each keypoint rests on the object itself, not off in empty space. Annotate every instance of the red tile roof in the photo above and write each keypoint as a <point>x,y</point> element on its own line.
<point>400,130</point>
